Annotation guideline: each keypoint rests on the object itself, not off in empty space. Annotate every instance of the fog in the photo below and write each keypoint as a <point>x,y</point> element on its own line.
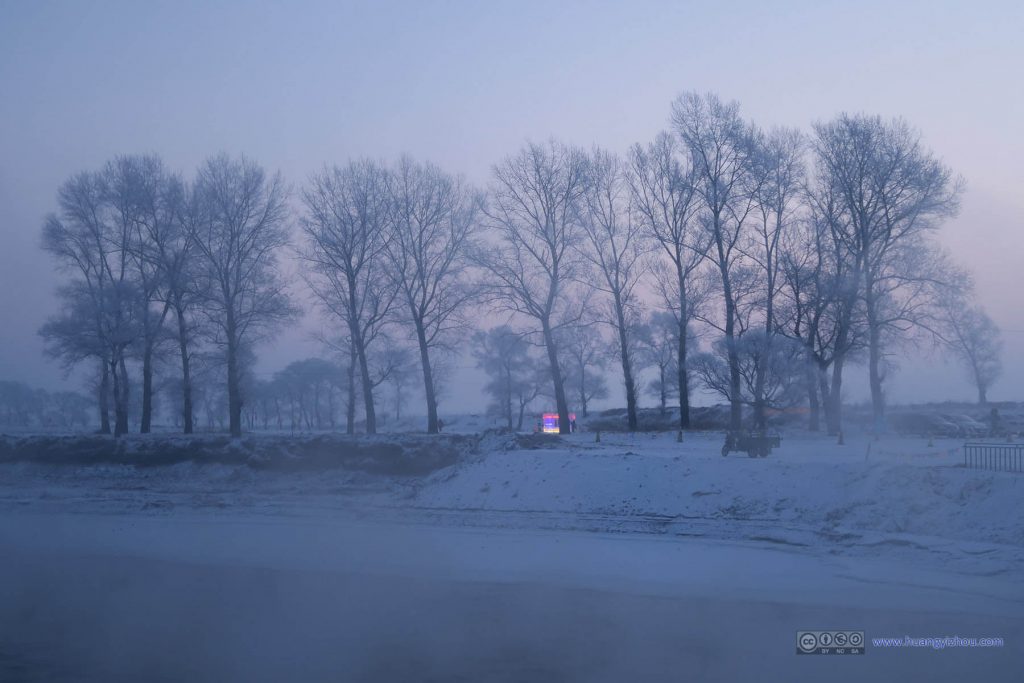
<point>511,341</point>
<point>464,86</point>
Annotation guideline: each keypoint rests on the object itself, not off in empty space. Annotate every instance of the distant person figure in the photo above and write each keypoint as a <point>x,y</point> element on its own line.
<point>440,425</point>
<point>572,425</point>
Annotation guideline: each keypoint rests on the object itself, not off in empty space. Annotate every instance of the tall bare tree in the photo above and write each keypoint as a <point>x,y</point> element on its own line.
<point>615,248</point>
<point>534,211</point>
<point>147,198</point>
<point>90,239</point>
<point>778,191</point>
<point>346,226</point>
<point>663,190</point>
<point>180,264</point>
<point>241,231</point>
<point>892,191</point>
<point>722,154</point>
<point>432,220</point>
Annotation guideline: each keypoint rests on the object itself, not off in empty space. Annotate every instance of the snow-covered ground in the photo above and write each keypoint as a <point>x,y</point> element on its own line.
<point>635,558</point>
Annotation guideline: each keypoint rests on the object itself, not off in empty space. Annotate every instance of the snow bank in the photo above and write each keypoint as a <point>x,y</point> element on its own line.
<point>897,493</point>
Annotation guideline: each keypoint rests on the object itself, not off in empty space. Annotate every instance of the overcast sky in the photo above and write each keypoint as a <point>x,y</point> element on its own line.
<point>296,85</point>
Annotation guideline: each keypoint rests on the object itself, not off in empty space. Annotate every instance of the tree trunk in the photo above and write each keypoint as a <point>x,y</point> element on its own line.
<point>834,414</point>
<point>812,399</point>
<point>683,379</point>
<point>186,371</point>
<point>234,382</point>
<point>364,374</point>
<point>735,406</point>
<point>663,392</point>
<point>428,379</point>
<point>761,379</point>
<point>556,378</point>
<point>627,367</point>
<point>120,375</point>
<point>104,398</point>
<point>982,394</point>
<point>759,402</point>
<point>507,399</point>
<point>350,406</point>
<point>147,389</point>
<point>875,363</point>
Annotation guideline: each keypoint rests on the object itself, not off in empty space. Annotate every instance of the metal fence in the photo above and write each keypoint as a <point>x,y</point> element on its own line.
<point>999,457</point>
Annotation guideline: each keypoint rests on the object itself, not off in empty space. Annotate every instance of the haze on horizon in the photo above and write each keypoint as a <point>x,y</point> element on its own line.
<point>463,85</point>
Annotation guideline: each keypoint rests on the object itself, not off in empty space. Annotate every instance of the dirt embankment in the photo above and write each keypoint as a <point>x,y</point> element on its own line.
<point>405,455</point>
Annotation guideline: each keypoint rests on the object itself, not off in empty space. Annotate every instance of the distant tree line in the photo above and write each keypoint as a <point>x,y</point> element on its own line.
<point>756,264</point>
<point>23,407</point>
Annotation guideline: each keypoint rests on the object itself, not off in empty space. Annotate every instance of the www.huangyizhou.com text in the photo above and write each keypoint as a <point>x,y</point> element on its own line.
<point>937,643</point>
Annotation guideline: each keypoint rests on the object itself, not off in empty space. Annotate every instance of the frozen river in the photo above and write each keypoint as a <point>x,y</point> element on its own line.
<point>230,597</point>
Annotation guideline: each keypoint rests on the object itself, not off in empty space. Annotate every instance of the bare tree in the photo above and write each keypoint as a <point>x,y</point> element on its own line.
<point>403,373</point>
<point>346,228</point>
<point>585,357</point>
<point>431,230</point>
<point>512,377</point>
<point>974,339</point>
<point>534,212</point>
<point>75,336</point>
<point>615,248</point>
<point>775,361</point>
<point>722,155</point>
<point>780,170</point>
<point>90,238</point>
<point>241,230</point>
<point>892,191</point>
<point>664,202</point>
<point>823,306</point>
<point>167,242</point>
<point>809,310</point>
<point>148,199</point>
<point>659,344</point>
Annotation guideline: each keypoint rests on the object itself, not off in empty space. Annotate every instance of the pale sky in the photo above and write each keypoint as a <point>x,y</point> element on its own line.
<point>299,84</point>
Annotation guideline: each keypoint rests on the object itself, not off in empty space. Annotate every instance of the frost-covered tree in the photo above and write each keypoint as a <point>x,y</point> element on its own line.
<point>723,156</point>
<point>779,167</point>
<point>615,248</point>
<point>891,193</point>
<point>659,344</point>
<point>664,201</point>
<point>771,372</point>
<point>513,379</point>
<point>585,359</point>
<point>534,214</point>
<point>102,307</point>
<point>974,339</point>
<point>241,232</point>
<point>430,235</point>
<point>346,228</point>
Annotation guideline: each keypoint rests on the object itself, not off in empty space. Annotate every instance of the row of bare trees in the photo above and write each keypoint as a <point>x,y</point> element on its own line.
<point>140,246</point>
<point>760,264</point>
<point>24,407</point>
